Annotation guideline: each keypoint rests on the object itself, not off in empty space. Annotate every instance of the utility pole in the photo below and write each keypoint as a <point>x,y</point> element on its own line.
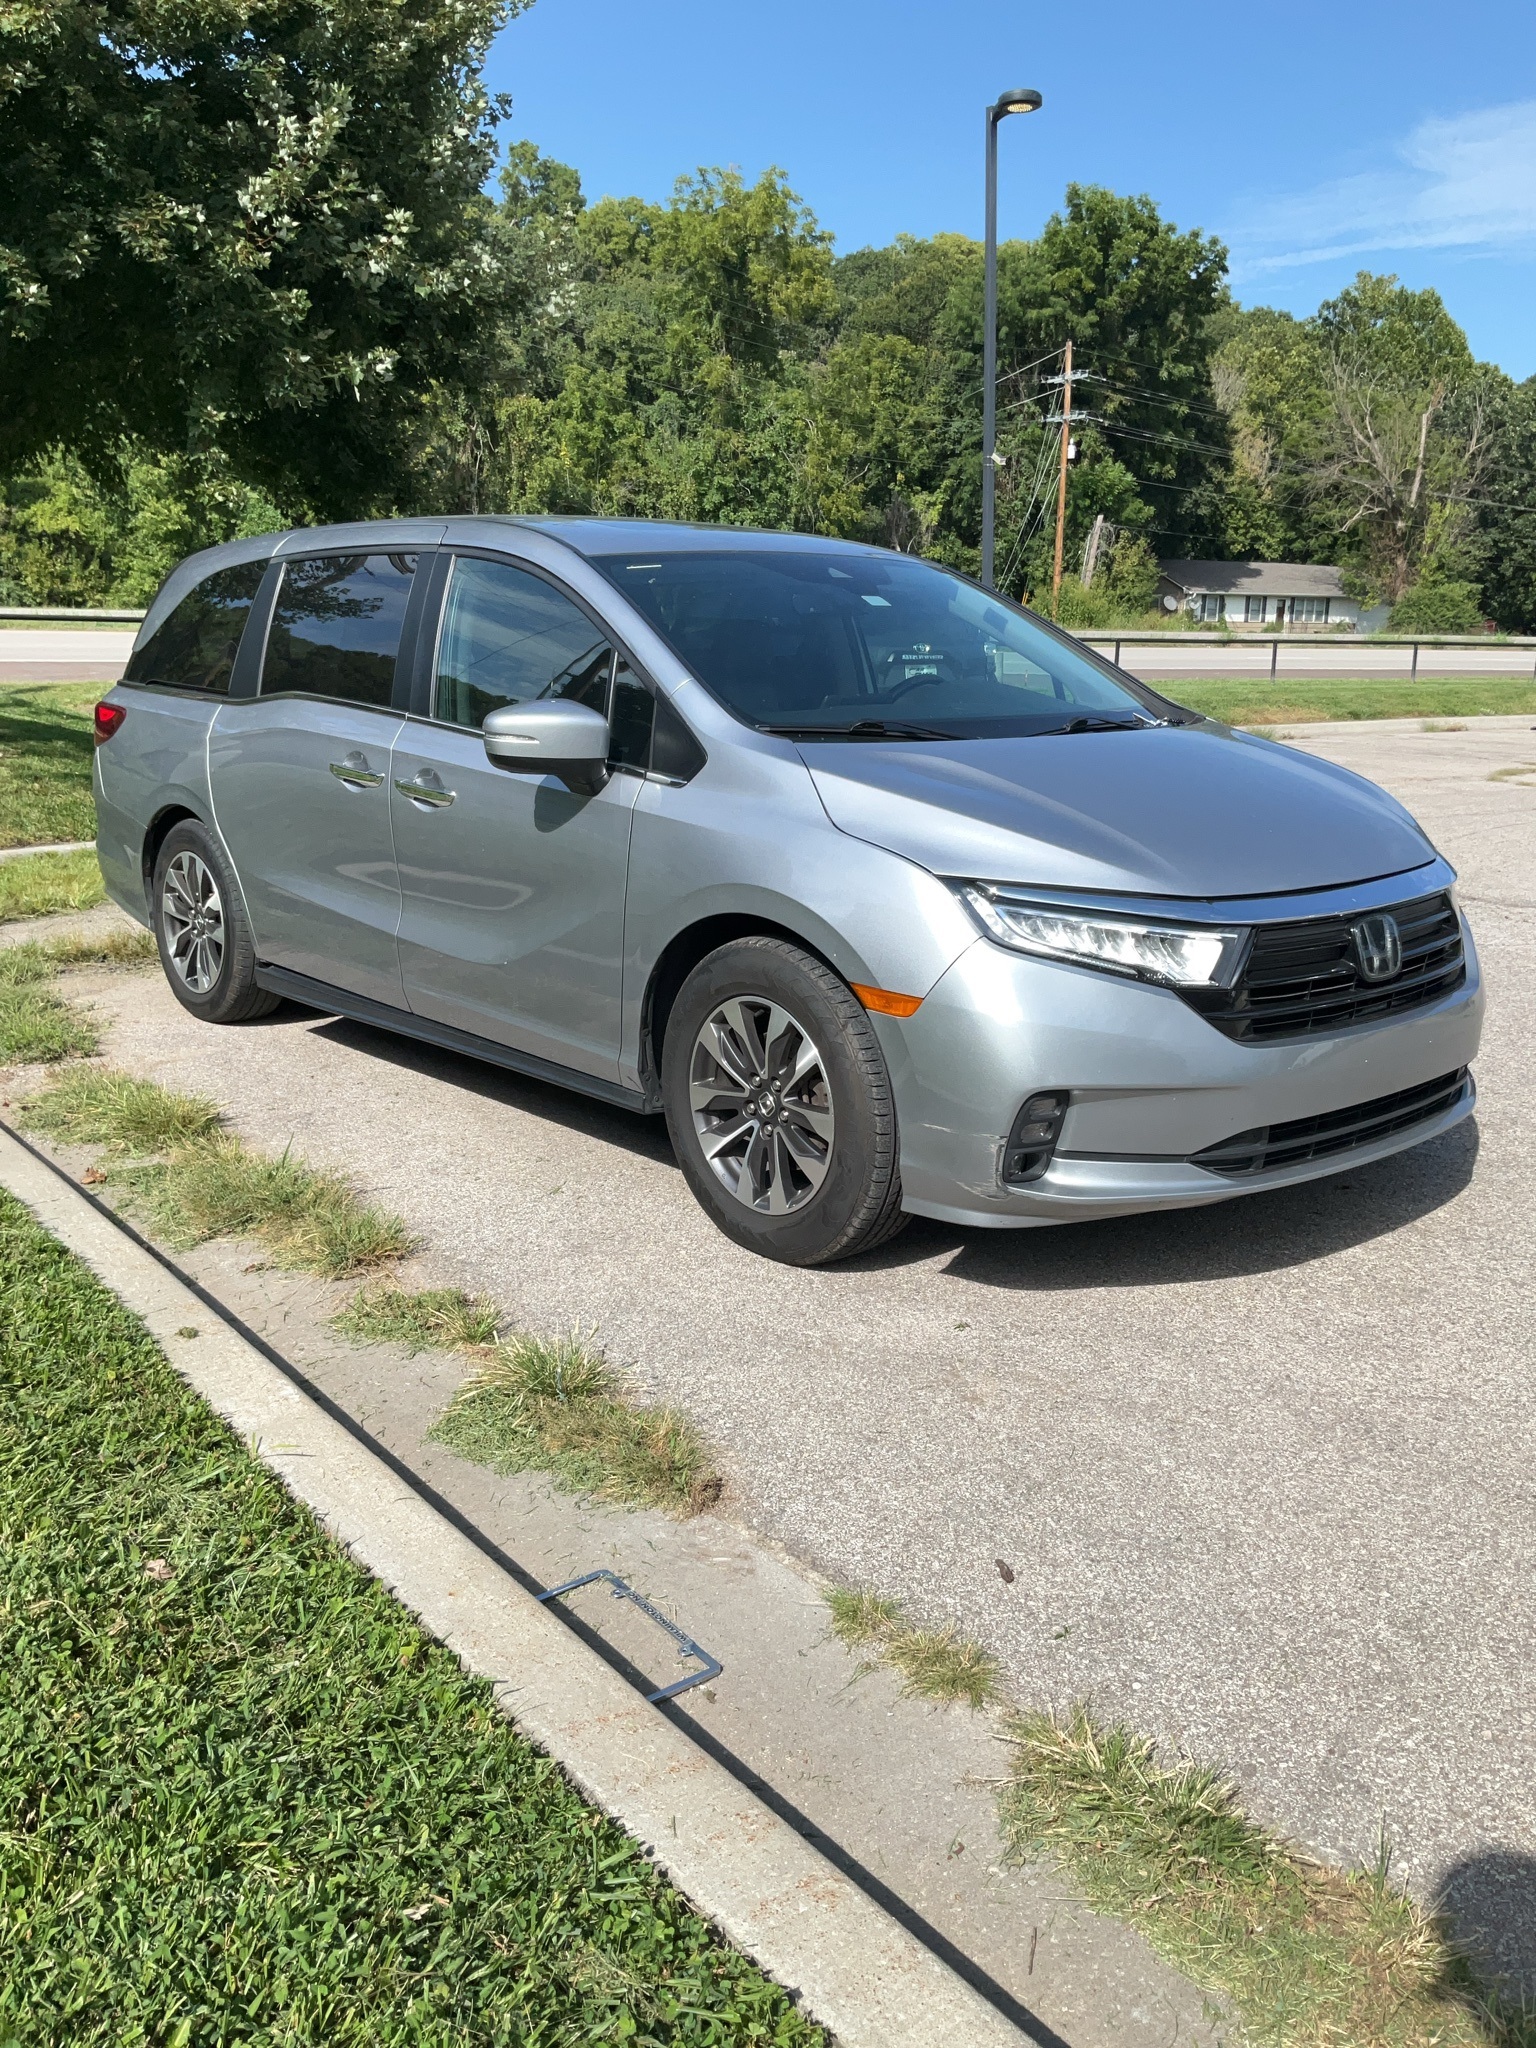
<point>1061,482</point>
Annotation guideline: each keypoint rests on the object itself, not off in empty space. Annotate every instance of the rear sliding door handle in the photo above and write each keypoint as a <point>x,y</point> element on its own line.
<point>355,773</point>
<point>432,794</point>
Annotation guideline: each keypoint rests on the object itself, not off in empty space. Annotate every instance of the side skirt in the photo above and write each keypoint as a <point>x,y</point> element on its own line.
<point>319,995</point>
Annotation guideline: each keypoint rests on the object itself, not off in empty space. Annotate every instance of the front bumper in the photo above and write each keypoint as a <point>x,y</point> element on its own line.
<point>1151,1084</point>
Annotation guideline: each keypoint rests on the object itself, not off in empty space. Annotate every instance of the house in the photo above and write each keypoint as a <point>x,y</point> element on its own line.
<point>1273,594</point>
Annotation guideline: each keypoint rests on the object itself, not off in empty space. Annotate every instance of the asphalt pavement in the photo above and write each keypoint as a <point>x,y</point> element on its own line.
<point>1264,1474</point>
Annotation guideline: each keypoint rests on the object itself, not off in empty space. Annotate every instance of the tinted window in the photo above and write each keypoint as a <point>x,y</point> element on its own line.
<point>195,646</point>
<point>821,640</point>
<point>336,627</point>
<point>508,636</point>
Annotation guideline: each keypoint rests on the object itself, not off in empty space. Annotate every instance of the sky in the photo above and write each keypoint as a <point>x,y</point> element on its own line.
<point>1316,137</point>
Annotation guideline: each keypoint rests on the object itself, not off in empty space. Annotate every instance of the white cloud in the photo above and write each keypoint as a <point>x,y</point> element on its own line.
<point>1467,182</point>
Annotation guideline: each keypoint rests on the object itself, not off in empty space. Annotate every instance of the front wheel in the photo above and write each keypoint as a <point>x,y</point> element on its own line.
<point>205,943</point>
<point>779,1105</point>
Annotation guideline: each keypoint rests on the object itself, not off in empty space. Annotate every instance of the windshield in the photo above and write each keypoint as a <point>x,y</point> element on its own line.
<point>817,642</point>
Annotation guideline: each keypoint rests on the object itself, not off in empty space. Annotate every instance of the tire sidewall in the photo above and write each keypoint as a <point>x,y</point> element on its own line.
<point>828,1009</point>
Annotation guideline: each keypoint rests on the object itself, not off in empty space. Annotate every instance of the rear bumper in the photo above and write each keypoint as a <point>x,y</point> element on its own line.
<point>1151,1084</point>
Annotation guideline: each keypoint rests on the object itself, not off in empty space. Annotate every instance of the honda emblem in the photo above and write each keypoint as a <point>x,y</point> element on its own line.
<point>1378,947</point>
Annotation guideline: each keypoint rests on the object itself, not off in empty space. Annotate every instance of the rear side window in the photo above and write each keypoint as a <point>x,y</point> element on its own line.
<point>194,646</point>
<point>507,637</point>
<point>336,627</point>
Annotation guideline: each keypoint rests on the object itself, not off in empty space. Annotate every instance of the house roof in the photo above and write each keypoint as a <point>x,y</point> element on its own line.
<point>1254,579</point>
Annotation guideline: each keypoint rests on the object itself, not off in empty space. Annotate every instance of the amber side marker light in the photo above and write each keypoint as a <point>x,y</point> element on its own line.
<point>885,1000</point>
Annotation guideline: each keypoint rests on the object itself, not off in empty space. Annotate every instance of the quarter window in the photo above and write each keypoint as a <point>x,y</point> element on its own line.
<point>509,636</point>
<point>336,627</point>
<point>194,646</point>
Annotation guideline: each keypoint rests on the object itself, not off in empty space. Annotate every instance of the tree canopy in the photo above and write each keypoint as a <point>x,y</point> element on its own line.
<point>246,225</point>
<point>256,268</point>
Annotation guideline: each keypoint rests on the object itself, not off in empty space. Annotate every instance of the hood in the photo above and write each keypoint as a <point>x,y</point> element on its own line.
<point>1166,811</point>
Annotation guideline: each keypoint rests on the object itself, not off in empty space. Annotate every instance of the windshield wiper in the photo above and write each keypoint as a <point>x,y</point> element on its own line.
<point>861,729</point>
<point>1098,725</point>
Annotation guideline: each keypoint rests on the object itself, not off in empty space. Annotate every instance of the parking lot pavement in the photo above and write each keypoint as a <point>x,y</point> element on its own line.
<point>1264,1473</point>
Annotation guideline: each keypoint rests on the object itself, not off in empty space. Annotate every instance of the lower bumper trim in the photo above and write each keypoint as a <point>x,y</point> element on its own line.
<point>1274,1146</point>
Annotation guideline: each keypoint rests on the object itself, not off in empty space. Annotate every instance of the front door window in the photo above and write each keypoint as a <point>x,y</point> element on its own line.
<point>509,636</point>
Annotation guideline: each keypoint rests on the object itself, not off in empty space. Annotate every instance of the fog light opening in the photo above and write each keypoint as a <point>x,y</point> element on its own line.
<point>1032,1140</point>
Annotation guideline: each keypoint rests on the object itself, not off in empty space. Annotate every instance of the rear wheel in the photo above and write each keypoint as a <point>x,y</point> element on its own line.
<point>205,943</point>
<point>779,1105</point>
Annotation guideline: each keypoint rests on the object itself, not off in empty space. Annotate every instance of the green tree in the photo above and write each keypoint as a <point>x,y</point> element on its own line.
<point>109,535</point>
<point>1503,543</point>
<point>246,225</point>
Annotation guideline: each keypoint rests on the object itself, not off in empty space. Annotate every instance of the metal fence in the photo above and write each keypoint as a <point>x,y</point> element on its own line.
<point>1275,641</point>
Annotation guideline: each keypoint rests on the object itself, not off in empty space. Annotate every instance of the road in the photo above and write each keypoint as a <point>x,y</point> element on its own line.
<point>68,654</point>
<point>1263,1473</point>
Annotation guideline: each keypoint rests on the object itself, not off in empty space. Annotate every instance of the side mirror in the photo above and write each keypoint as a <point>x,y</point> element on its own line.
<point>550,736</point>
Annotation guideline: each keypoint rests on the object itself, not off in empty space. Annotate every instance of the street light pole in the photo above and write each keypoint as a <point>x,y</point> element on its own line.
<point>1022,101</point>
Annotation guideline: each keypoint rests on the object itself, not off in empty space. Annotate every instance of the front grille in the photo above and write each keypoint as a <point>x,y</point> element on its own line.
<point>1302,980</point>
<point>1341,1130</point>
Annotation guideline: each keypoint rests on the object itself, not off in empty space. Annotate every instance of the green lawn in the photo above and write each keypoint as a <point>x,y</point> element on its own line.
<point>34,884</point>
<point>242,1798</point>
<point>45,762</point>
<point>1286,701</point>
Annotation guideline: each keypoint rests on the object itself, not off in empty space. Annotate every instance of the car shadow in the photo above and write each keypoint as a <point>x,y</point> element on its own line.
<point>644,1136</point>
<point>1486,1904</point>
<point>1250,1234</point>
<point>1259,1233</point>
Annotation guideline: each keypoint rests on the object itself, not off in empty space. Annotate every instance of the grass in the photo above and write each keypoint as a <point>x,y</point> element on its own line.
<point>101,1106</point>
<point>37,884</point>
<point>1308,1956</point>
<point>433,1317</point>
<point>1295,701</point>
<point>535,1404</point>
<point>935,1664</point>
<point>242,1796</point>
<point>45,762</point>
<point>194,1181</point>
<point>36,1026</point>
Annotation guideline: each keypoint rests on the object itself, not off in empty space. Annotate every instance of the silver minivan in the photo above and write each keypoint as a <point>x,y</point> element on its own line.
<point>892,897</point>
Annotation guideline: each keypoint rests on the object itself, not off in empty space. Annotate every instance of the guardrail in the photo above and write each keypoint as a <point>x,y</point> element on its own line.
<point>64,616</point>
<point>1275,641</point>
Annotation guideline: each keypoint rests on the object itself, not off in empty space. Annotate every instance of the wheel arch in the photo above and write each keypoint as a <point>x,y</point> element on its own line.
<point>677,960</point>
<point>160,826</point>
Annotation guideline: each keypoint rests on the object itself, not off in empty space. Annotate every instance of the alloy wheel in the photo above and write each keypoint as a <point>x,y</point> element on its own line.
<point>762,1107</point>
<point>192,915</point>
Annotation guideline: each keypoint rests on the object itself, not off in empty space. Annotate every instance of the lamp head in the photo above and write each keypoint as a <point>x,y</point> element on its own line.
<point>1022,100</point>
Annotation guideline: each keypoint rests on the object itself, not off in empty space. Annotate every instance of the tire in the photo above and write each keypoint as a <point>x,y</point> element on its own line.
<point>803,1164</point>
<point>206,949</point>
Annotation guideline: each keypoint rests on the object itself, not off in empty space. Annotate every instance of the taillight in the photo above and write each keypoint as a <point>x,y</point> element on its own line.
<point>108,718</point>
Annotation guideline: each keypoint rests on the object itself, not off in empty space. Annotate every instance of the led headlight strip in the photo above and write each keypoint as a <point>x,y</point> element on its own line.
<point>1186,956</point>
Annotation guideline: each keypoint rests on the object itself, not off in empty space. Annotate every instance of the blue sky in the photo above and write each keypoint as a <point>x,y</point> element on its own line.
<point>1316,139</point>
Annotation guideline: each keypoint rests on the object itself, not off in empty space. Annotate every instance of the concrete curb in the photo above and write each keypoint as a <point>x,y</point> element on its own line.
<point>854,1968</point>
<point>57,846</point>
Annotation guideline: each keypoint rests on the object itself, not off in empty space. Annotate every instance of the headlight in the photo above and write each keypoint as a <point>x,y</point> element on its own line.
<point>1188,956</point>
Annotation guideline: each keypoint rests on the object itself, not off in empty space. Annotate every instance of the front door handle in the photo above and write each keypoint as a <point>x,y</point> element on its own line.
<point>432,793</point>
<point>355,772</point>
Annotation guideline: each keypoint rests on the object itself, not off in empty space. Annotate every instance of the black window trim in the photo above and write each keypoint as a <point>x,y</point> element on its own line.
<point>424,672</point>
